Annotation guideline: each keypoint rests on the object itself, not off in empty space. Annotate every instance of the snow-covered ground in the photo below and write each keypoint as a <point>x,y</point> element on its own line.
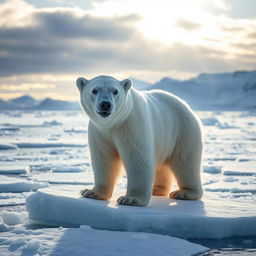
<point>48,151</point>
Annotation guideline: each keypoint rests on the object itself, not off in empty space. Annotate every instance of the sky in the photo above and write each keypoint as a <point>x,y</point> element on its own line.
<point>46,45</point>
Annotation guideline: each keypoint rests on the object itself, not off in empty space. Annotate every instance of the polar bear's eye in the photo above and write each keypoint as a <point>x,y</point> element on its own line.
<point>94,91</point>
<point>115,92</point>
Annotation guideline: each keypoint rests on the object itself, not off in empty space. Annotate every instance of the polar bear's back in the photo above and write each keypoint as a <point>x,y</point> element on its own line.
<point>172,119</point>
<point>167,101</point>
<point>171,107</point>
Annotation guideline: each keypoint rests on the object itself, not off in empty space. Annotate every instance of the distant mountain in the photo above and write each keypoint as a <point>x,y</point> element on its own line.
<point>140,85</point>
<point>50,104</point>
<point>29,103</point>
<point>6,105</point>
<point>230,91</point>
<point>25,101</point>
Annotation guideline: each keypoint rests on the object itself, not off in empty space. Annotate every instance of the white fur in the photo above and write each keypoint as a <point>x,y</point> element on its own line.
<point>154,134</point>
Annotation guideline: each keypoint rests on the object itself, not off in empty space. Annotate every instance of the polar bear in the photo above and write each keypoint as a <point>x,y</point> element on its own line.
<point>153,134</point>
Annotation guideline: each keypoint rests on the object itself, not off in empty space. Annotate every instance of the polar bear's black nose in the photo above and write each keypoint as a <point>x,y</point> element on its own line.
<point>105,105</point>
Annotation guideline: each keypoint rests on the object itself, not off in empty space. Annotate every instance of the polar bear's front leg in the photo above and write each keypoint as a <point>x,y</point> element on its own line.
<point>106,165</point>
<point>106,169</point>
<point>140,171</point>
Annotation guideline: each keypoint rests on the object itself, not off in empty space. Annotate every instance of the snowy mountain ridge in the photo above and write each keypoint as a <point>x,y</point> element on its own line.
<point>24,101</point>
<point>227,91</point>
<point>29,103</point>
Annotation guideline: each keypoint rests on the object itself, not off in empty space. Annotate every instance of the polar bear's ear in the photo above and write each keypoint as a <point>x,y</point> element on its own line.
<point>126,84</point>
<point>81,82</point>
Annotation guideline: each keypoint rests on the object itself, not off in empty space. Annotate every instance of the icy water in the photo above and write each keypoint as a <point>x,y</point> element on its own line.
<point>40,149</point>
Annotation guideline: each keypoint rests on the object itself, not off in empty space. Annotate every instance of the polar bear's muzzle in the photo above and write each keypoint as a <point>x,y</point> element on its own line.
<point>104,108</point>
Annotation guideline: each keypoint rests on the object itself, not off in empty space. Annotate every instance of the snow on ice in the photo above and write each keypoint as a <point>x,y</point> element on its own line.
<point>10,184</point>
<point>13,218</point>
<point>13,199</point>
<point>14,169</point>
<point>58,167</point>
<point>77,178</point>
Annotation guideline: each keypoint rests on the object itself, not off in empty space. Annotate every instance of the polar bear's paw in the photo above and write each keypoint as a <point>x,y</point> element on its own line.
<point>127,200</point>
<point>186,194</point>
<point>90,193</point>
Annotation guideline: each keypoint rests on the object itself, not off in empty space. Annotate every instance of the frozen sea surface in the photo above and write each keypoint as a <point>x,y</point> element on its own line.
<point>49,149</point>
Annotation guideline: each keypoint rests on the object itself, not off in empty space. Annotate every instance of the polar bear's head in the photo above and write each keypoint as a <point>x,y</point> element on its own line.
<point>103,97</point>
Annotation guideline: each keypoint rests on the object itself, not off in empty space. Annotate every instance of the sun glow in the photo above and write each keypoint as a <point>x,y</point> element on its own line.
<point>159,20</point>
<point>164,20</point>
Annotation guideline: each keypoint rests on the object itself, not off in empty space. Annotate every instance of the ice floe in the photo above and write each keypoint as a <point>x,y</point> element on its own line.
<point>212,217</point>
<point>13,199</point>
<point>51,123</point>
<point>233,185</point>
<point>210,121</point>
<point>8,146</point>
<point>17,185</point>
<point>58,168</point>
<point>212,169</point>
<point>46,145</point>
<point>72,178</point>
<point>14,169</point>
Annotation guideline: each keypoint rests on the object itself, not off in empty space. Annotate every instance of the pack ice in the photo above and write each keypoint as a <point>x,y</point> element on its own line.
<point>51,159</point>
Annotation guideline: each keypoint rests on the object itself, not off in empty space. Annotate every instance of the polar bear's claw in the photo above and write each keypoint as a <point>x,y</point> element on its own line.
<point>127,200</point>
<point>82,192</point>
<point>185,194</point>
<point>89,194</point>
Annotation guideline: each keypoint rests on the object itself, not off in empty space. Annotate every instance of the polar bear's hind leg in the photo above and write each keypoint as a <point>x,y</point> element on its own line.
<point>163,180</point>
<point>185,165</point>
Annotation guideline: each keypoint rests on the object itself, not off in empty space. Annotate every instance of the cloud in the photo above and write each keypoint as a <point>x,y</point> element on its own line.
<point>72,41</point>
<point>61,41</point>
<point>15,13</point>
<point>188,25</point>
<point>67,25</point>
<point>246,47</point>
<point>26,86</point>
<point>252,35</point>
<point>176,56</point>
<point>232,29</point>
